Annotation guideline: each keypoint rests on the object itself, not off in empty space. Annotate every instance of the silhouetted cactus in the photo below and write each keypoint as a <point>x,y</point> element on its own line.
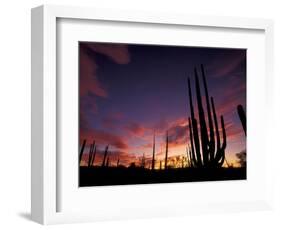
<point>193,158</point>
<point>160,165</point>
<point>167,148</point>
<point>104,156</point>
<point>81,151</point>
<point>143,161</point>
<point>107,162</point>
<point>91,151</point>
<point>94,156</point>
<point>189,157</point>
<point>153,154</point>
<point>206,150</point>
<point>90,155</point>
<point>242,116</point>
<point>118,161</point>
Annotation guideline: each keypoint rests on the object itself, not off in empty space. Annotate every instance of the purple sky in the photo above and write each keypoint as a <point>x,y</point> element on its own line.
<point>129,91</point>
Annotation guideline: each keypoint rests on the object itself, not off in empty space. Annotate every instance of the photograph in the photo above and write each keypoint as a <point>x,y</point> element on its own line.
<point>151,113</point>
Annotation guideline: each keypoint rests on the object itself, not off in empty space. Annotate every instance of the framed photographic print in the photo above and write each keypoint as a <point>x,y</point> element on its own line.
<point>140,114</point>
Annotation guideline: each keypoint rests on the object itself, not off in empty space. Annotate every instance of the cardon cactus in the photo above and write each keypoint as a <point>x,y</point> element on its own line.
<point>94,156</point>
<point>242,117</point>
<point>107,162</point>
<point>153,153</point>
<point>104,156</point>
<point>143,161</point>
<point>81,151</point>
<point>206,148</point>
<point>91,153</point>
<point>189,157</point>
<point>167,148</point>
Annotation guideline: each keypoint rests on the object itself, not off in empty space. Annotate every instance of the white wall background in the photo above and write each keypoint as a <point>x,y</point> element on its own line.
<point>15,112</point>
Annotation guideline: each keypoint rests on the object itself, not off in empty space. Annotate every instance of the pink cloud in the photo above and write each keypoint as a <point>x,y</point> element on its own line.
<point>118,53</point>
<point>148,145</point>
<point>91,87</point>
<point>89,82</point>
<point>178,135</point>
<point>104,138</point>
<point>233,131</point>
<point>135,129</point>
<point>229,105</point>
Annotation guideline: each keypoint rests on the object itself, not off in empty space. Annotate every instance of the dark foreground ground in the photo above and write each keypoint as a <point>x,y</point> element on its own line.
<point>98,176</point>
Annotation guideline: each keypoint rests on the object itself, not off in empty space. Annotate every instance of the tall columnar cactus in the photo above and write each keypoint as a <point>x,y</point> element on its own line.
<point>94,156</point>
<point>143,161</point>
<point>153,153</point>
<point>206,149</point>
<point>118,161</point>
<point>81,151</point>
<point>107,162</point>
<point>167,148</point>
<point>242,116</point>
<point>189,157</point>
<point>104,156</point>
<point>90,155</point>
<point>91,152</point>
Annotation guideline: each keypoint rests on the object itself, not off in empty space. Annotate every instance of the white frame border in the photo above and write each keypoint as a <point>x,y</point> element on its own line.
<point>43,114</point>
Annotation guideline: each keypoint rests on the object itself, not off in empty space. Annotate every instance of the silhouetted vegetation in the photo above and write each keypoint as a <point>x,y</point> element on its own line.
<point>104,156</point>
<point>206,150</point>
<point>98,176</point>
<point>242,117</point>
<point>203,160</point>
<point>167,148</point>
<point>153,154</point>
<point>94,155</point>
<point>81,151</point>
<point>241,158</point>
<point>91,154</point>
<point>142,165</point>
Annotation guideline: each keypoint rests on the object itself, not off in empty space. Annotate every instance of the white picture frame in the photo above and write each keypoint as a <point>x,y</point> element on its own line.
<point>45,167</point>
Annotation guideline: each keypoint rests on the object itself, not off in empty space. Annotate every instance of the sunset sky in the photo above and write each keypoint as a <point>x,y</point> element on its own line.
<point>128,92</point>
